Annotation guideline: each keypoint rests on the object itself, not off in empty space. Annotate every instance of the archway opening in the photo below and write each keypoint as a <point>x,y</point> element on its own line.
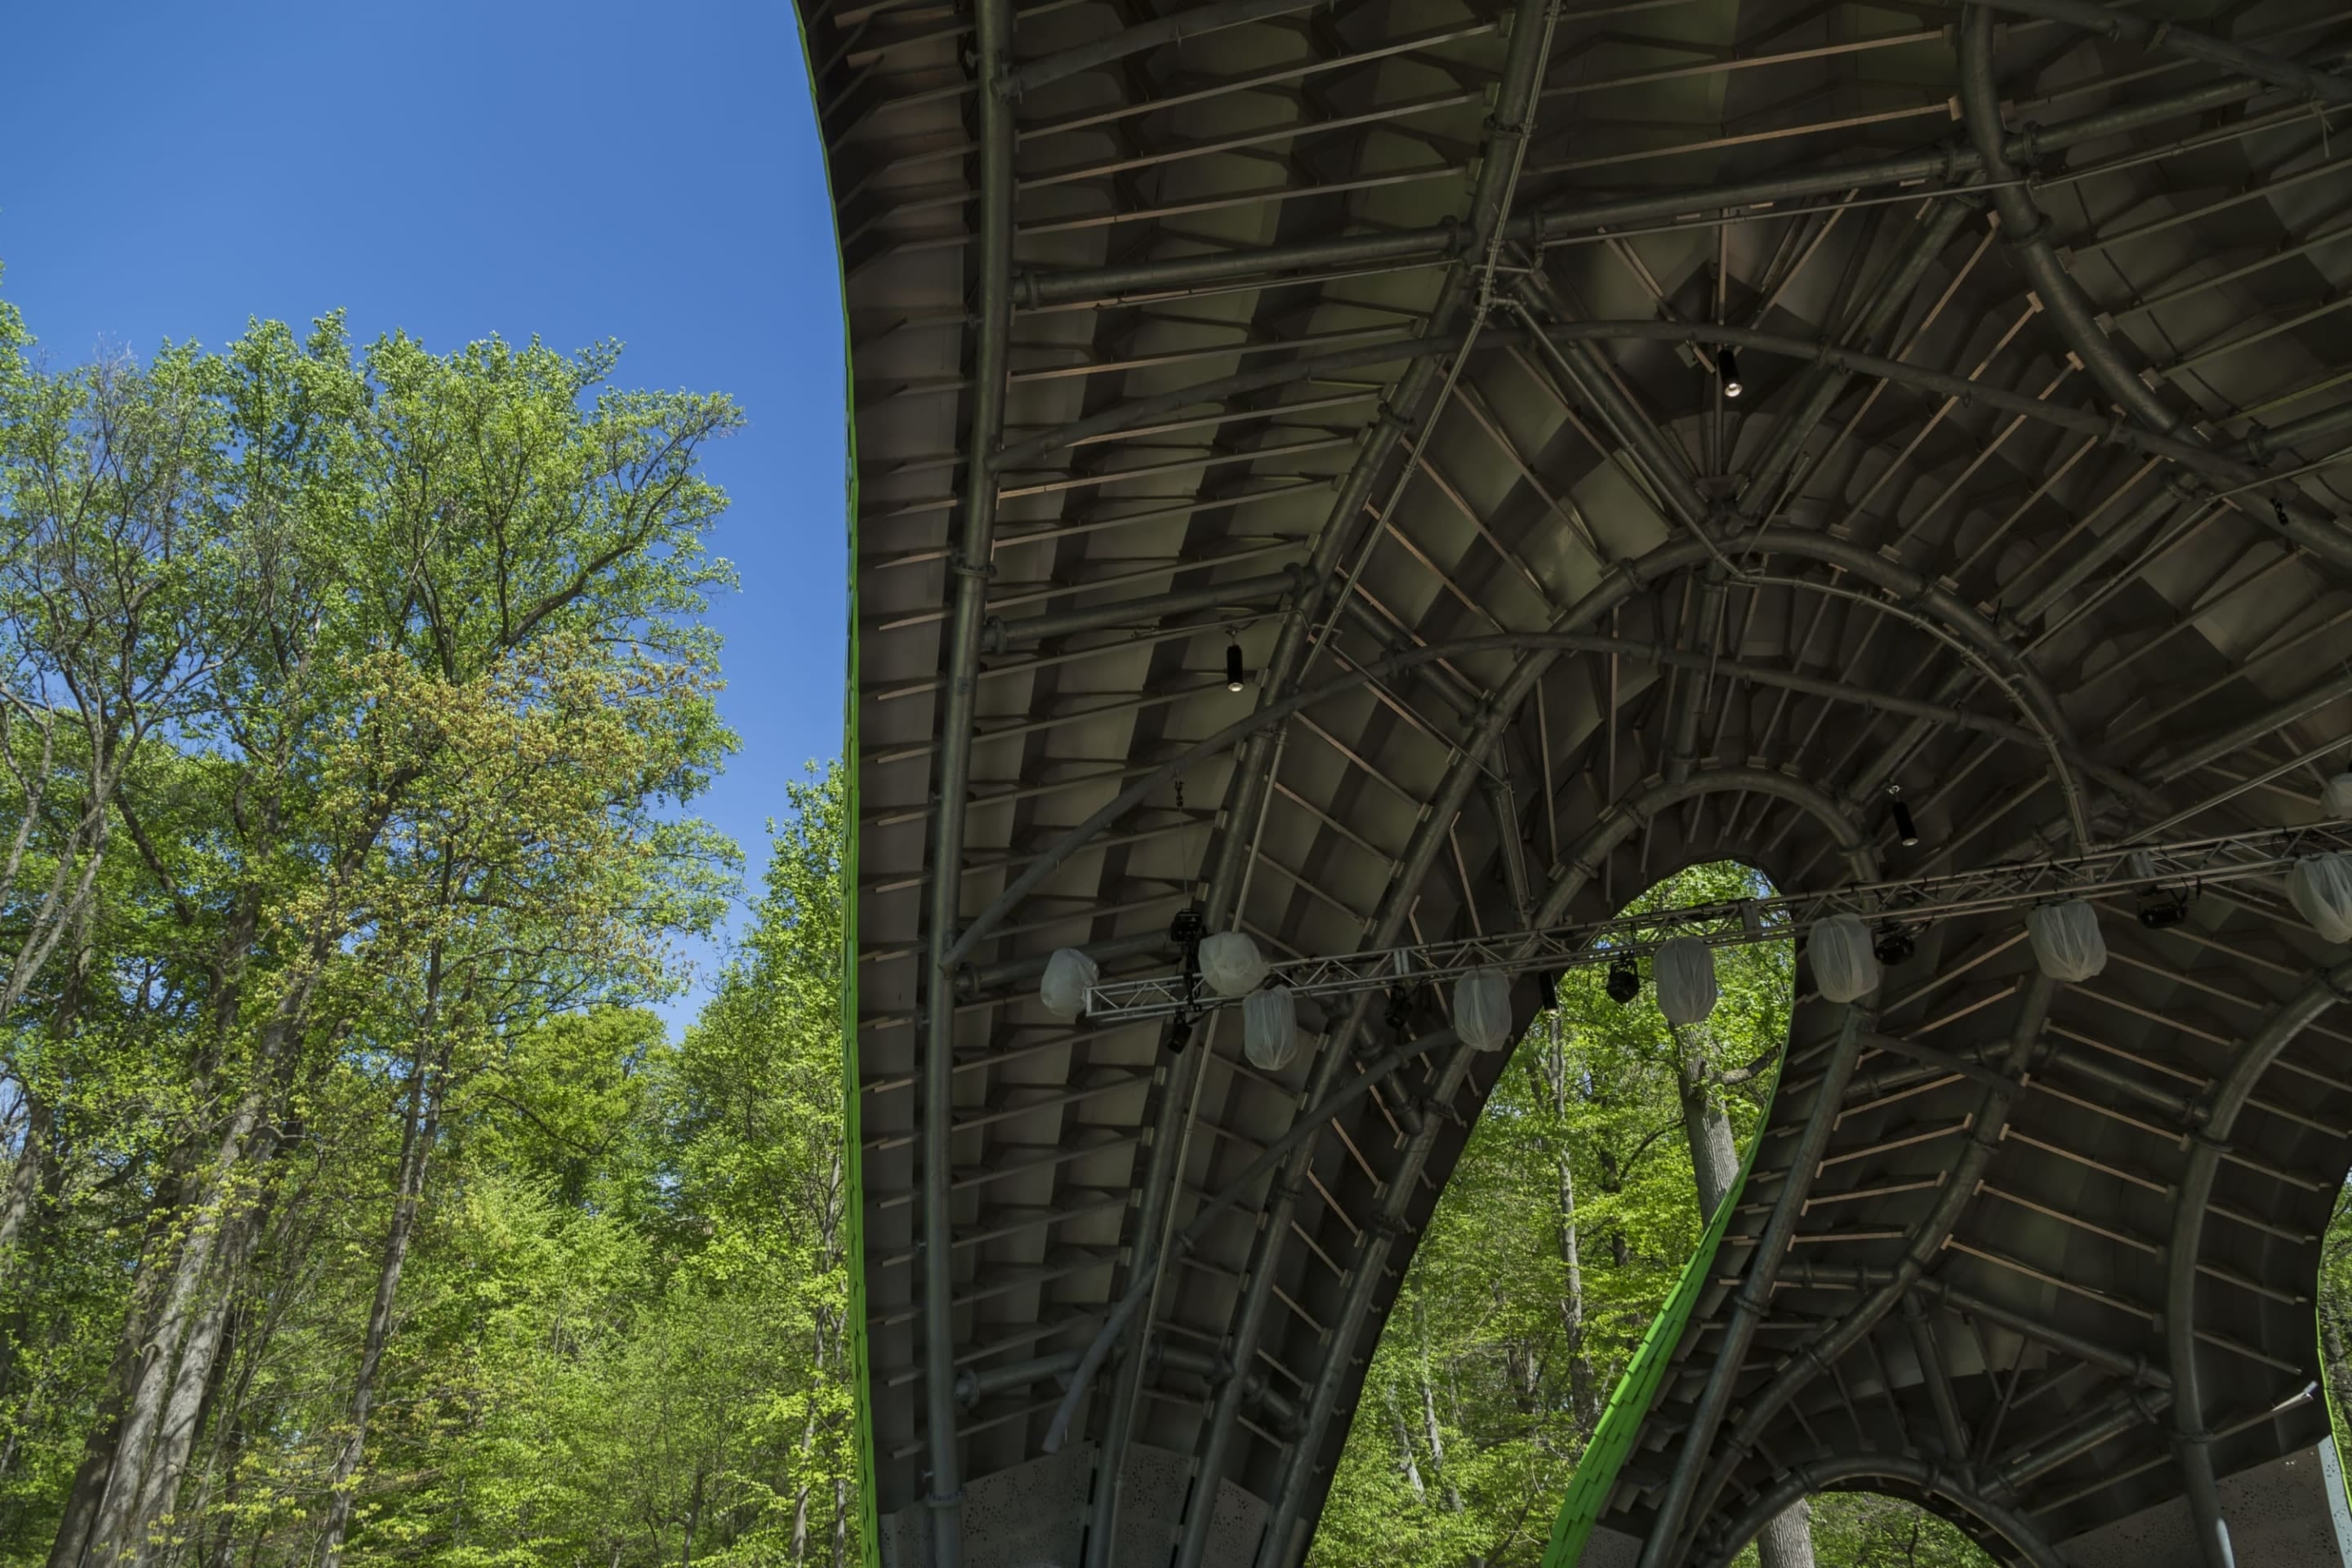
<point>1579,1198</point>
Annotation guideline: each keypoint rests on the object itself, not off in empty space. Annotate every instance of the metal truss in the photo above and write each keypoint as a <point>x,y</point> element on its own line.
<point>2173,871</point>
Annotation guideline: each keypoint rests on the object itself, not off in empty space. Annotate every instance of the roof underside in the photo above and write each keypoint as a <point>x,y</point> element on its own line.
<point>1974,531</point>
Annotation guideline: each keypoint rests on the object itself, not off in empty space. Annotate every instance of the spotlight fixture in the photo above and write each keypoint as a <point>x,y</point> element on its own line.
<point>1907,832</point>
<point>1236,678</point>
<point>2159,909</point>
<point>1892,945</point>
<point>1625,982</point>
<point>1726,365</point>
<point>1180,1033</point>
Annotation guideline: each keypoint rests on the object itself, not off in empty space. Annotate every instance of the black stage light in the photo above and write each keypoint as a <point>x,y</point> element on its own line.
<point>1236,678</point>
<point>1907,832</point>
<point>1624,980</point>
<point>1726,365</point>
<point>1894,945</point>
<point>2158,910</point>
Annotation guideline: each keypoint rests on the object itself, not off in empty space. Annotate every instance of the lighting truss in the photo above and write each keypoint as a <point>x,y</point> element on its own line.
<point>1908,904</point>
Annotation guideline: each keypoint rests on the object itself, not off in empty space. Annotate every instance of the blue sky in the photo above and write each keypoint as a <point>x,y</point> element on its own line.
<point>576,171</point>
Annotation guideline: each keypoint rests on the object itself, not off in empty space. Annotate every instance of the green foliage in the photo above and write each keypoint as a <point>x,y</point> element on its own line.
<point>354,1207</point>
<point>1565,1226</point>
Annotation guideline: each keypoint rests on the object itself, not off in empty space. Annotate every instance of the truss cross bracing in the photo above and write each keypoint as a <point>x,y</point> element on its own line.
<point>1391,342</point>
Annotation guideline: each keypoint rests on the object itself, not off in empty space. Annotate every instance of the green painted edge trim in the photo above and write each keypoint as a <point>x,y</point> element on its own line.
<point>869,1530</point>
<point>2335,1415</point>
<point>1629,1403</point>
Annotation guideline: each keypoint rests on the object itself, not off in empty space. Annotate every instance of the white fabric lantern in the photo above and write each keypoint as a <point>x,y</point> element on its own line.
<point>1481,1010</point>
<point>1070,974</point>
<point>2067,939</point>
<point>1231,963</point>
<point>2320,890</point>
<point>2336,799</point>
<point>1270,1027</point>
<point>1845,965</point>
<point>1683,969</point>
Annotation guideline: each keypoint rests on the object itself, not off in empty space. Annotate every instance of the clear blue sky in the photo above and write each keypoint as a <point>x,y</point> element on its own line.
<point>577,171</point>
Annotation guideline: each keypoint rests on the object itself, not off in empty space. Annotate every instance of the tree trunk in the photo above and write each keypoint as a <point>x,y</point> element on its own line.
<point>1788,1540</point>
<point>1429,1417</point>
<point>1571,1304</point>
<point>420,1124</point>
<point>173,1361</point>
<point>1405,1459</point>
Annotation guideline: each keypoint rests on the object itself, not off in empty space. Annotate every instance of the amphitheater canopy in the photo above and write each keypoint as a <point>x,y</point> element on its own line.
<point>1603,437</point>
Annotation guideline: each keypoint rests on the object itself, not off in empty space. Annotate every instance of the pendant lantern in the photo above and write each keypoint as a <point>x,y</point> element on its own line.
<point>1481,1010</point>
<point>2336,798</point>
<point>1846,967</point>
<point>1069,976</point>
<point>2320,887</point>
<point>1232,964</point>
<point>1684,970</point>
<point>1270,1029</point>
<point>2067,939</point>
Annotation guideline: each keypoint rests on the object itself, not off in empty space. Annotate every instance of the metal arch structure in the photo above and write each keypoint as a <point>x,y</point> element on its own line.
<point>1391,342</point>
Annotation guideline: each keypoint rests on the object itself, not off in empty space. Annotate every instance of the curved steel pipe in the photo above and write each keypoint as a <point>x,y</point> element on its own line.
<point>1623,582</point>
<point>1620,822</point>
<point>1925,1245</point>
<point>1300,1130</point>
<point>1462,300</point>
<point>2216,1118</point>
<point>1443,242</point>
<point>968,573</point>
<point>2027,230</point>
<point>1752,1302</point>
<point>1933,1480</point>
<point>2169,38</point>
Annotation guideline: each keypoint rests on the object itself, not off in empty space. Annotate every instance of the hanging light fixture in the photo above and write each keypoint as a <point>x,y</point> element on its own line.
<point>1625,982</point>
<point>1481,1010</point>
<point>2336,798</point>
<point>1232,964</point>
<point>1236,677</point>
<point>2066,940</point>
<point>1069,976</point>
<point>1893,945</point>
<point>1907,832</point>
<point>1844,961</point>
<point>2320,889</point>
<point>1726,365</point>
<point>1683,969</point>
<point>1270,1027</point>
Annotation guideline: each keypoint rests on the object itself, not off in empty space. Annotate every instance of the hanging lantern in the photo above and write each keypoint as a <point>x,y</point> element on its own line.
<point>2336,799</point>
<point>2067,939</point>
<point>1069,976</point>
<point>1481,1010</point>
<point>1231,963</point>
<point>1683,972</point>
<point>2320,888</point>
<point>1844,967</point>
<point>1270,1027</point>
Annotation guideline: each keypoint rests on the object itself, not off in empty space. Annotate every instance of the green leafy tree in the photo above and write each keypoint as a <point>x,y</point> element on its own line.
<point>1574,1207</point>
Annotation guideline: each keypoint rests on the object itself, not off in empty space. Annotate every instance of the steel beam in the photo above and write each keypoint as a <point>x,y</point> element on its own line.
<point>1927,1238</point>
<point>968,575</point>
<point>1928,1480</point>
<point>2221,1108</point>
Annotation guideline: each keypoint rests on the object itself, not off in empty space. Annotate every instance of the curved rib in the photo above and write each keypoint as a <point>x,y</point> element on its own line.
<point>1934,1480</point>
<point>2217,1116</point>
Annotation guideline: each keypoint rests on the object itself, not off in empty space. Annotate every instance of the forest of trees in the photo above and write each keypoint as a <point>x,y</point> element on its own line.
<point>356,1206</point>
<point>1576,1202</point>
